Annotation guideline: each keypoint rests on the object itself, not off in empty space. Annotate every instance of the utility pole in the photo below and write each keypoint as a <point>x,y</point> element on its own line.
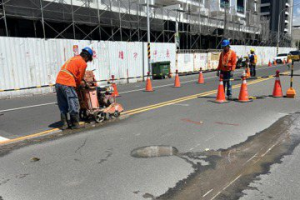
<point>148,36</point>
<point>225,21</point>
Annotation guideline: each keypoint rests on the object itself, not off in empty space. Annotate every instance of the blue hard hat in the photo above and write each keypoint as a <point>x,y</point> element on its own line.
<point>225,43</point>
<point>89,51</point>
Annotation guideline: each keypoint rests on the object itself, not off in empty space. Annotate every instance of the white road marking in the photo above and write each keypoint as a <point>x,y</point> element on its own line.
<point>232,182</point>
<point>2,139</point>
<point>207,193</point>
<point>215,196</point>
<point>227,186</point>
<point>186,105</point>
<point>183,82</point>
<point>26,107</point>
<point>268,150</point>
<point>250,159</point>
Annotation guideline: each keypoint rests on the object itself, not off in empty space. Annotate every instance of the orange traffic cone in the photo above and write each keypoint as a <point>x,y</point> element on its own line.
<point>148,84</point>
<point>114,85</point>
<point>244,96</point>
<point>221,92</point>
<point>270,64</point>
<point>177,81</point>
<point>248,74</point>
<point>277,92</point>
<point>275,63</point>
<point>201,78</point>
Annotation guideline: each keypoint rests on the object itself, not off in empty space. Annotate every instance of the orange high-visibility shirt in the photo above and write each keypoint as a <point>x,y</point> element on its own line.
<point>227,61</point>
<point>72,72</point>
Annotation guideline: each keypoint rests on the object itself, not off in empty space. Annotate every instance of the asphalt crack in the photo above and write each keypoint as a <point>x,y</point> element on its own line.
<point>109,153</point>
<point>81,146</point>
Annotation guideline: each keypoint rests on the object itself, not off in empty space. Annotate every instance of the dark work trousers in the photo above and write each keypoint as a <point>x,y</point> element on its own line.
<point>253,70</point>
<point>227,82</point>
<point>67,99</point>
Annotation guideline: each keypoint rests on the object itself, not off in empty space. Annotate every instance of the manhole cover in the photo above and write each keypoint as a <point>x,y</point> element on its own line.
<point>154,151</point>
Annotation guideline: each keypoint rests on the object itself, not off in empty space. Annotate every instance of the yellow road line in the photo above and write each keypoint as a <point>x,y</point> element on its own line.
<point>30,136</point>
<point>138,110</point>
<point>180,100</point>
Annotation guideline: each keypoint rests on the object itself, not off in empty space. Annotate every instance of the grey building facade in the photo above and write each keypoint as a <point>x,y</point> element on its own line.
<point>278,12</point>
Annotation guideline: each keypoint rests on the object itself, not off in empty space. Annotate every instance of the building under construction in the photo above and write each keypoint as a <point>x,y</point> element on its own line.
<point>192,24</point>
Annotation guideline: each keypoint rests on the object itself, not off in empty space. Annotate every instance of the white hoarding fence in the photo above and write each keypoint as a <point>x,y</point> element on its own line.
<point>30,65</point>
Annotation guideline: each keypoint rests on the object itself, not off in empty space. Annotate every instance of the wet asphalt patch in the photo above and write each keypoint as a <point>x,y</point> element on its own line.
<point>154,151</point>
<point>227,172</point>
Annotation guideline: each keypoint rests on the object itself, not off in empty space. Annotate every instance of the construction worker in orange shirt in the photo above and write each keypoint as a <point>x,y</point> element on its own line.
<point>68,79</point>
<point>227,65</point>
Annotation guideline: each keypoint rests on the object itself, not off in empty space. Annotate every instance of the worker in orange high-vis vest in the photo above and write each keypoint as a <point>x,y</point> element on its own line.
<point>68,79</point>
<point>227,65</point>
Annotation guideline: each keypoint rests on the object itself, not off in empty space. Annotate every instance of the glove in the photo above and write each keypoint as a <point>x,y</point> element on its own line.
<point>231,74</point>
<point>218,73</point>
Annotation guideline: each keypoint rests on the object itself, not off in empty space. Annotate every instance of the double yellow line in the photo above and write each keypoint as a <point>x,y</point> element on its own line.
<point>136,111</point>
<point>179,100</point>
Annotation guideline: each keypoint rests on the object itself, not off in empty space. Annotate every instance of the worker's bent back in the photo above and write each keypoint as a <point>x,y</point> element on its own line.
<point>72,72</point>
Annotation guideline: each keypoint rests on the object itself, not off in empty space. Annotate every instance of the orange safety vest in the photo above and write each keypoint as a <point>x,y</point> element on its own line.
<point>72,72</point>
<point>227,61</point>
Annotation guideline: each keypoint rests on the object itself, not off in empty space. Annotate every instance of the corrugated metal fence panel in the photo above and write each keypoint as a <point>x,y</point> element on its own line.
<point>102,61</point>
<point>27,62</point>
<point>200,61</point>
<point>161,52</point>
<point>265,54</point>
<point>135,60</point>
<point>118,57</point>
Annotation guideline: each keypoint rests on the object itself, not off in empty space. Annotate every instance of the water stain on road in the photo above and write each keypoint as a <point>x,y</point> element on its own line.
<point>230,171</point>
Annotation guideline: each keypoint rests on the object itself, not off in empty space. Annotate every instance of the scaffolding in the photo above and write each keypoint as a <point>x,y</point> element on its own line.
<point>125,20</point>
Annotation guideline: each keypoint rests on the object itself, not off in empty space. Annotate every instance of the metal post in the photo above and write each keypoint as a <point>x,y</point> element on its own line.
<point>200,23</point>
<point>148,35</point>
<point>292,73</point>
<point>73,22</point>
<point>225,22</point>
<point>34,26</point>
<point>5,21</point>
<point>120,19</point>
<point>99,19</point>
<point>278,31</point>
<point>43,20</point>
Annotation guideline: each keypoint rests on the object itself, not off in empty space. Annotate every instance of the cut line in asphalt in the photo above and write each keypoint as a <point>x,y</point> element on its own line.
<point>134,111</point>
<point>125,92</point>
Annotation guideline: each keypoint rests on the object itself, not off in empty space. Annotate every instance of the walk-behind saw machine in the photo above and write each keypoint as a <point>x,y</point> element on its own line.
<point>98,103</point>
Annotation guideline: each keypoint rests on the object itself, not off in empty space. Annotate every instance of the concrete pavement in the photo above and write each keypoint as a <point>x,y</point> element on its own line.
<point>97,164</point>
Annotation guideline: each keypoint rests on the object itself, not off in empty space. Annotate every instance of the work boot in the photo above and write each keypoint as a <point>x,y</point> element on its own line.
<point>229,98</point>
<point>64,121</point>
<point>75,122</point>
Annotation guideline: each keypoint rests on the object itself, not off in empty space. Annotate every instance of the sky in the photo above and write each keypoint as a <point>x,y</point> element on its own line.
<point>296,19</point>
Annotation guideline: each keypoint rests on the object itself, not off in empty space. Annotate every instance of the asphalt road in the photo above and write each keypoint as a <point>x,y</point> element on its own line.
<point>187,149</point>
<point>20,117</point>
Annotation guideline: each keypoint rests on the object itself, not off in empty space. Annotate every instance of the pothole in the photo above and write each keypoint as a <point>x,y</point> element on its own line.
<point>154,151</point>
